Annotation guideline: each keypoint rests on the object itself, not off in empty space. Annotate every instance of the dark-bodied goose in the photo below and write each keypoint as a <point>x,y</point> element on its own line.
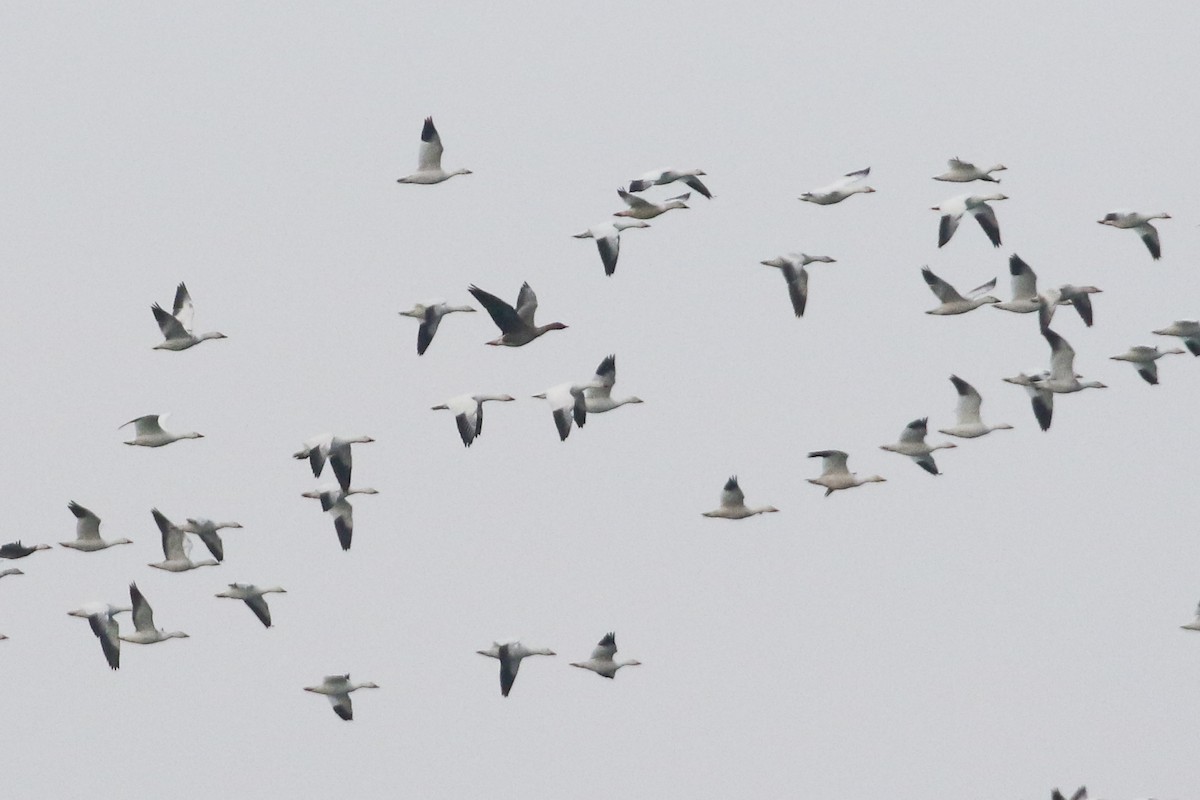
<point>429,159</point>
<point>515,324</point>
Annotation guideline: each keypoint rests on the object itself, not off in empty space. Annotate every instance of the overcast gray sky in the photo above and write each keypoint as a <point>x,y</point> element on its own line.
<point>1007,627</point>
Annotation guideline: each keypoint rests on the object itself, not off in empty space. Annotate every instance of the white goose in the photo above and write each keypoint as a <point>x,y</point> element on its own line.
<point>1143,359</point>
<point>567,403</point>
<point>661,177</point>
<point>429,159</point>
<point>143,622</point>
<point>468,413</point>
<point>602,662</point>
<point>952,301</point>
<point>338,688</point>
<point>644,209</point>
<point>510,655</point>
<point>849,184</point>
<point>253,597</point>
<point>974,205</point>
<point>1186,329</point>
<point>598,398</point>
<point>1040,398</point>
<point>1024,288</point>
<point>207,530</point>
<point>965,172</point>
<point>834,474</point>
<point>969,425</point>
<point>1194,625</point>
<point>175,557</point>
<point>336,450</point>
<point>1066,295</point>
<point>1062,378</point>
<point>176,327</point>
<point>1140,223</point>
<point>912,444</point>
<point>102,618</point>
<point>87,531</point>
<point>430,314</point>
<point>148,432</point>
<point>335,501</point>
<point>608,239</point>
<point>793,268</point>
<point>733,503</point>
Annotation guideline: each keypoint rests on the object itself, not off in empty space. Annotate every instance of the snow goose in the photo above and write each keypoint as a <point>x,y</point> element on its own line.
<point>598,397</point>
<point>975,205</point>
<point>143,622</point>
<point>336,450</point>
<point>793,268</point>
<point>176,327</point>
<point>468,413</point>
<point>338,688</point>
<point>206,529</point>
<point>1143,357</point>
<point>1041,399</point>
<point>567,403</point>
<point>1186,329</point>
<point>661,177</point>
<point>430,314</point>
<point>515,324</point>
<point>608,239</point>
<point>1140,223</point>
<point>1066,295</point>
<point>912,444</point>
<point>18,550</point>
<point>87,531</point>
<point>644,209</point>
<point>102,618</point>
<point>964,172</point>
<point>1024,288</point>
<point>148,432</point>
<point>952,301</point>
<point>253,597</point>
<point>429,159</point>
<point>839,190</point>
<point>1062,378</point>
<point>1194,625</point>
<point>733,503</point>
<point>969,425</point>
<point>175,557</point>
<point>602,662</point>
<point>835,475</point>
<point>12,571</point>
<point>511,655</point>
<point>335,500</point>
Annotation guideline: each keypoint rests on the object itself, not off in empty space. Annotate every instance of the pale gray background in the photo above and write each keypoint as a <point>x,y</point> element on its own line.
<point>1007,627</point>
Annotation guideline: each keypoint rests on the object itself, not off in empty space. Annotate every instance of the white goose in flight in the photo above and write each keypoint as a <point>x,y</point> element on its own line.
<point>176,327</point>
<point>849,184</point>
<point>1186,329</point>
<point>602,662</point>
<point>733,503</point>
<point>974,205</point>
<point>207,530</point>
<point>567,404</point>
<point>1062,378</point>
<point>335,501</point>
<point>175,557</point>
<point>430,314</point>
<point>1140,223</point>
<point>1024,288</point>
<point>254,599</point>
<point>1143,359</point>
<point>148,432</point>
<point>515,324</point>
<point>644,209</point>
<point>143,622</point>
<point>597,398</point>
<point>793,268</point>
<point>964,172</point>
<point>661,177</point>
<point>429,159</point>
<point>607,236</point>
<point>969,424</point>
<point>510,655</point>
<point>468,413</point>
<point>834,474</point>
<point>338,688</point>
<point>334,449</point>
<point>1066,295</point>
<point>102,618</point>
<point>1041,399</point>
<point>912,444</point>
<point>87,531</point>
<point>952,301</point>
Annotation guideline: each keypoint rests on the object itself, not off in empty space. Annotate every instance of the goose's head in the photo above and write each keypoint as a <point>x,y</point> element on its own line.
<point>461,171</point>
<point>623,224</point>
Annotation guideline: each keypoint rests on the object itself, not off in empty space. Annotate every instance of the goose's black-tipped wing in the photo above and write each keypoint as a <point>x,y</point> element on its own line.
<point>258,604</point>
<point>466,430</point>
<point>504,315</point>
<point>212,540</point>
<point>562,421</point>
<point>695,183</point>
<point>986,217</point>
<point>427,329</point>
<point>610,248</point>
<point>1150,237</point>
<point>508,670</point>
<point>797,283</point>
<point>946,228</point>
<point>1083,304</point>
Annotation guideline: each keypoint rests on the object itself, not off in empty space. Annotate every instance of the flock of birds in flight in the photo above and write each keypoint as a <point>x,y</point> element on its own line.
<point>572,402</point>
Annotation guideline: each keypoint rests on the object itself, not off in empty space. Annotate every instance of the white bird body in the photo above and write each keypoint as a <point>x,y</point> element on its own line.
<point>1042,399</point>
<point>175,557</point>
<point>102,618</point>
<point>567,404</point>
<point>429,159</point>
<point>912,444</point>
<point>952,301</point>
<point>1143,357</point>
<point>334,449</point>
<point>608,239</point>
<point>1024,288</point>
<point>207,530</point>
<point>1062,378</point>
<point>644,209</point>
<point>338,688</point>
<point>969,425</point>
<point>597,397</point>
<point>1141,223</point>
<point>1186,329</point>
<point>661,177</point>
<point>972,205</point>
<point>733,503</point>
<point>335,501</point>
<point>468,413</point>
<point>965,172</point>
<point>176,327</point>
<point>835,476</point>
<point>253,597</point>
<point>602,662</point>
<point>793,266</point>
<point>87,531</point>
<point>510,655</point>
<point>430,314</point>
<point>845,186</point>
<point>148,432</point>
<point>143,622</point>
